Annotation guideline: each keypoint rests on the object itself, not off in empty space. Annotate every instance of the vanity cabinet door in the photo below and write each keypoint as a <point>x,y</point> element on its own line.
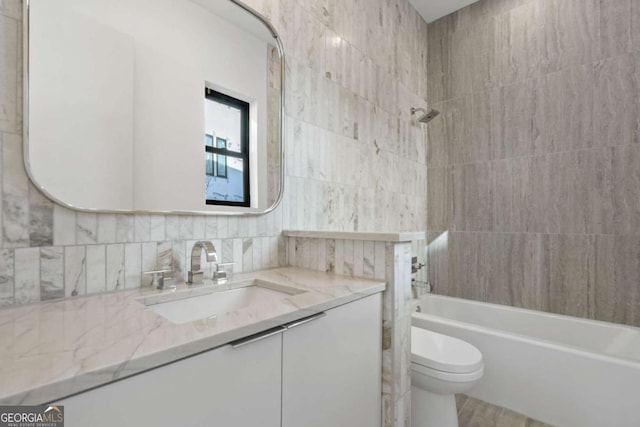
<point>226,387</point>
<point>331,370</point>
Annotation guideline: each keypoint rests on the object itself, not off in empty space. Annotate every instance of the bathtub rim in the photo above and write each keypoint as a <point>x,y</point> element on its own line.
<point>521,337</point>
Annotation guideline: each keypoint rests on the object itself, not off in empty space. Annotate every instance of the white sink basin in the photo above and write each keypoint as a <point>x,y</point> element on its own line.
<point>209,303</point>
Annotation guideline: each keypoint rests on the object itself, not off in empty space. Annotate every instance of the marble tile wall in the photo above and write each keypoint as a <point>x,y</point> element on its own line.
<point>377,260</point>
<point>354,161</point>
<point>355,69</point>
<point>534,164</point>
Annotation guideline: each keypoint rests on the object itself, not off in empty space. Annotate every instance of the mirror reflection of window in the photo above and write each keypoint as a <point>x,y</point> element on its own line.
<point>226,150</point>
<point>208,143</point>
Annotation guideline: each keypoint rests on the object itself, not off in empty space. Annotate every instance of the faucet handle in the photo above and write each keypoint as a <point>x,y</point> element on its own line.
<point>224,272</point>
<point>158,277</point>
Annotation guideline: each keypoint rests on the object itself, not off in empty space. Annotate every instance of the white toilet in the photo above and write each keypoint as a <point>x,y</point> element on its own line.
<point>441,366</point>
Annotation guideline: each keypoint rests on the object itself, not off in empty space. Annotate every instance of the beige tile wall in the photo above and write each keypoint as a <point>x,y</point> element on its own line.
<point>534,165</point>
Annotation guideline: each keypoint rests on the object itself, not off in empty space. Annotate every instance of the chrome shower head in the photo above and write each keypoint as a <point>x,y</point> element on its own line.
<point>426,116</point>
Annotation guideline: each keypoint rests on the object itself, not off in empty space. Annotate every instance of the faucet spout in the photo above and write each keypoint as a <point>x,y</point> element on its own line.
<point>196,276</point>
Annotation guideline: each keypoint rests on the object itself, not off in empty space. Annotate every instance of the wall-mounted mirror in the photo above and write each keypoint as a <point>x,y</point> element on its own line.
<point>154,105</point>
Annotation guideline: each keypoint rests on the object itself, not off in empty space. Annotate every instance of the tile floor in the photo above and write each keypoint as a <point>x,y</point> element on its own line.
<point>476,413</point>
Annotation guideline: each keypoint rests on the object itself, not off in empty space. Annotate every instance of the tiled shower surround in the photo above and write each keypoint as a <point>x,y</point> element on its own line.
<point>534,168</point>
<point>354,69</point>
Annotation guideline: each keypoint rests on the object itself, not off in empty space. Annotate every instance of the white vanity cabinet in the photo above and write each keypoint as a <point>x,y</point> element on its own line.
<point>225,387</point>
<point>320,371</point>
<point>331,370</point>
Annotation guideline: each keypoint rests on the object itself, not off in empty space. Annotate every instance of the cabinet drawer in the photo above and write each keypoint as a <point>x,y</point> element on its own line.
<point>332,368</point>
<point>228,386</point>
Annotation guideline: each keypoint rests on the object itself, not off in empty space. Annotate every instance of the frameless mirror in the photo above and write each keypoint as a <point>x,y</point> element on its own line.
<point>154,105</point>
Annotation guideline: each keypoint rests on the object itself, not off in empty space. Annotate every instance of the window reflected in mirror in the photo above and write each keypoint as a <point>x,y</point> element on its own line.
<point>226,150</point>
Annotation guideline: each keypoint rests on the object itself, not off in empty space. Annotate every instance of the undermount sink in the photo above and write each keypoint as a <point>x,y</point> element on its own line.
<point>209,302</point>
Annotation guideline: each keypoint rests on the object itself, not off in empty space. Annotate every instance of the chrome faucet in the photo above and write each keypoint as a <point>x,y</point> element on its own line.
<point>196,276</point>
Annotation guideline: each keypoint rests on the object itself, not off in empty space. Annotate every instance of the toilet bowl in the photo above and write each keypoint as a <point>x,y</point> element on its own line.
<point>441,366</point>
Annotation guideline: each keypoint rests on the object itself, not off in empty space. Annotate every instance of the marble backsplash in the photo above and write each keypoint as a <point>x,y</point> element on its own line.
<point>354,161</point>
<point>102,253</point>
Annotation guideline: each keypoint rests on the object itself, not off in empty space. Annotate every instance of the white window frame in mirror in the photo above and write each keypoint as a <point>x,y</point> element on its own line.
<point>240,211</point>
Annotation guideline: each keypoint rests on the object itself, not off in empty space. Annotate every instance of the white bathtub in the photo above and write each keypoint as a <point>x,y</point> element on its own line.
<point>561,370</point>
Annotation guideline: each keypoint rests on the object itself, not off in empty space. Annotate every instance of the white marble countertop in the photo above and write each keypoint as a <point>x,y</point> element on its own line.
<point>403,236</point>
<point>55,349</point>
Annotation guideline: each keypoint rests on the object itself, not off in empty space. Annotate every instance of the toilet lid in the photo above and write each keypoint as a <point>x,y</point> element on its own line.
<point>443,353</point>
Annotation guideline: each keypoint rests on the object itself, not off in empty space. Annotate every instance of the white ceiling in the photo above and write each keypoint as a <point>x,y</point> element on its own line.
<point>431,10</point>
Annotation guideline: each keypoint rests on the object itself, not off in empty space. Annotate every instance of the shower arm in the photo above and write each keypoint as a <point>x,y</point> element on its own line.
<point>426,116</point>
